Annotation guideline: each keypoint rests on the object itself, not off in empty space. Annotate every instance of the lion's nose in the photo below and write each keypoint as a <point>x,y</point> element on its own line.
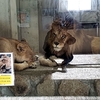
<point>56,43</point>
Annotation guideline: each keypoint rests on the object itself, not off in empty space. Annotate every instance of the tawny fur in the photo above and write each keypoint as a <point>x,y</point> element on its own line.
<point>23,54</point>
<point>84,44</point>
<point>63,39</point>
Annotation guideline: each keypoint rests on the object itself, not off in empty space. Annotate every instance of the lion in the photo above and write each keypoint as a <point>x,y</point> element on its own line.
<point>85,44</point>
<point>22,52</point>
<point>56,45</point>
<point>61,42</point>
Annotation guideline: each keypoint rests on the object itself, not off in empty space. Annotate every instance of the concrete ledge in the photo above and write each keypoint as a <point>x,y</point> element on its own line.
<point>48,81</point>
<point>78,80</point>
<point>78,73</point>
<point>50,98</point>
<point>87,59</point>
<point>73,72</point>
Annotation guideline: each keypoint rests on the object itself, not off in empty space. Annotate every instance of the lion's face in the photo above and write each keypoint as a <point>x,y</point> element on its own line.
<point>25,52</point>
<point>55,29</point>
<point>61,39</point>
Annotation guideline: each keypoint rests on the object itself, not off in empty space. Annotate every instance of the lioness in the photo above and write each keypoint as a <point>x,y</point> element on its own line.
<point>23,54</point>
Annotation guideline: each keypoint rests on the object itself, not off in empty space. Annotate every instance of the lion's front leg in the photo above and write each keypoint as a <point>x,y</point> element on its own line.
<point>47,62</point>
<point>67,59</point>
<point>21,66</point>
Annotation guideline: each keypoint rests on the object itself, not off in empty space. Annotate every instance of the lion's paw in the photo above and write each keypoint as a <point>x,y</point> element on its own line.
<point>47,62</point>
<point>52,58</point>
<point>34,64</point>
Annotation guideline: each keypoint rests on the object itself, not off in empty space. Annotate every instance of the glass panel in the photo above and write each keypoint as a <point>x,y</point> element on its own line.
<point>79,4</point>
<point>85,12</point>
<point>34,13</point>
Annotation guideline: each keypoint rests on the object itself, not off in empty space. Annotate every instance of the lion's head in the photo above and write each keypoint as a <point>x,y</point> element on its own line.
<point>59,39</point>
<point>24,52</point>
<point>56,45</point>
<point>62,40</point>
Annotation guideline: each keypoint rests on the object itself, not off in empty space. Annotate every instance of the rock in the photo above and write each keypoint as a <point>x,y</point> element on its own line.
<point>73,88</point>
<point>46,88</point>
<point>22,85</point>
<point>97,85</point>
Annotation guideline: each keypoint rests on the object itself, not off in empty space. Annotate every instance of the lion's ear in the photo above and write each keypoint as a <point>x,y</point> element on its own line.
<point>71,40</point>
<point>23,40</point>
<point>20,47</point>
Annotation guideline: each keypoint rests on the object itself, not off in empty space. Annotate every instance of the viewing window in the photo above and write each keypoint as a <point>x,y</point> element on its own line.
<point>76,5</point>
<point>79,4</point>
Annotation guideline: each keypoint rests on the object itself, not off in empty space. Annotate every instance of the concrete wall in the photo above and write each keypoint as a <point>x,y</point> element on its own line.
<point>38,23</point>
<point>30,33</point>
<point>8,19</point>
<point>47,14</point>
<point>5,18</point>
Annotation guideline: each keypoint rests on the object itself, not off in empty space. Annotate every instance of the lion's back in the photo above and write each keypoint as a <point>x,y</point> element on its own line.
<point>5,45</point>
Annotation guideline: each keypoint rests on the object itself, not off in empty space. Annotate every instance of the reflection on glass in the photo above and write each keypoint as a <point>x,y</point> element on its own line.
<point>79,4</point>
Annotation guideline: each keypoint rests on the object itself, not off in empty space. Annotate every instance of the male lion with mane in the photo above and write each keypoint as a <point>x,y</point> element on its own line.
<point>23,54</point>
<point>62,42</point>
<point>56,45</point>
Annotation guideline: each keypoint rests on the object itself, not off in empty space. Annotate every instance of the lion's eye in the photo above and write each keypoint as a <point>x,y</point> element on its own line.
<point>63,36</point>
<point>54,34</point>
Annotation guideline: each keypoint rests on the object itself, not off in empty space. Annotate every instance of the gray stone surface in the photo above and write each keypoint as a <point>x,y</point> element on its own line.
<point>78,73</point>
<point>73,88</point>
<point>5,91</point>
<point>22,85</point>
<point>97,84</point>
<point>89,59</point>
<point>48,81</point>
<point>47,88</point>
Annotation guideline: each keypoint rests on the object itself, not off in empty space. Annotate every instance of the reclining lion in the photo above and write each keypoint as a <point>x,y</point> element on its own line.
<point>23,54</point>
<point>56,45</point>
<point>61,42</point>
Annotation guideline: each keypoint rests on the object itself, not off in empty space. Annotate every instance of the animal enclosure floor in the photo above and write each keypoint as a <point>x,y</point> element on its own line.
<point>87,59</point>
<point>81,67</point>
